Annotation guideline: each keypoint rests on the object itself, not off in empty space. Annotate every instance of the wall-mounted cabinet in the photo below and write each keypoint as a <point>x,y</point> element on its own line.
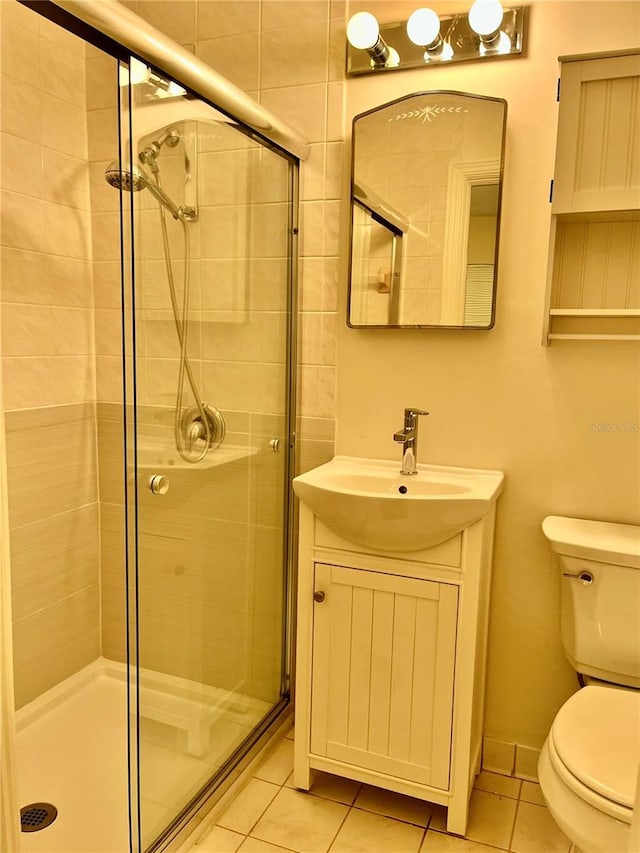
<point>593,286</point>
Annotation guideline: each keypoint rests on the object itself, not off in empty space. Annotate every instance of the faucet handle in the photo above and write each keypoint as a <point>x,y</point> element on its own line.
<point>413,413</point>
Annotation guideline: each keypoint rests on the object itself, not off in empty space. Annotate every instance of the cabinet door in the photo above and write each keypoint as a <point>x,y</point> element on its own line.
<point>383,663</point>
<point>598,153</point>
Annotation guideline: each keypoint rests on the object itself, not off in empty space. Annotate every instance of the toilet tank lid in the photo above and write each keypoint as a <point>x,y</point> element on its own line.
<point>601,541</point>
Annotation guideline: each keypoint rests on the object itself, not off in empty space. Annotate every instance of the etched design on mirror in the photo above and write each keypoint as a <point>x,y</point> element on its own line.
<point>427,113</point>
<point>426,212</point>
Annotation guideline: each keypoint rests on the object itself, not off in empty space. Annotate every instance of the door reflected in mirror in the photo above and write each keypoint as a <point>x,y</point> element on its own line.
<point>426,185</point>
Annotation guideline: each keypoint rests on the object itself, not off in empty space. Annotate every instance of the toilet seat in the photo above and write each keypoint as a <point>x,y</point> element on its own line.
<point>594,746</point>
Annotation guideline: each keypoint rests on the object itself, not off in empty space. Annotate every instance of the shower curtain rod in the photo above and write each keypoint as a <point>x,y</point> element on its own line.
<point>125,27</point>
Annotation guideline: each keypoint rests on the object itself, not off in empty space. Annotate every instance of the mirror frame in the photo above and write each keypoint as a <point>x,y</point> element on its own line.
<point>452,230</point>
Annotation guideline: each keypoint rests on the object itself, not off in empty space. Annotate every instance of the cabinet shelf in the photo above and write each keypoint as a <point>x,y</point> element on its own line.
<point>594,245</point>
<point>595,312</point>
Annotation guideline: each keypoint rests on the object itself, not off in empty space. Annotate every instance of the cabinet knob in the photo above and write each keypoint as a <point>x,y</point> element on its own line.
<point>318,596</point>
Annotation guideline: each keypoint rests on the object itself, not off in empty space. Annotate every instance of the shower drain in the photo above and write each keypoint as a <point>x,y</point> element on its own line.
<point>37,816</point>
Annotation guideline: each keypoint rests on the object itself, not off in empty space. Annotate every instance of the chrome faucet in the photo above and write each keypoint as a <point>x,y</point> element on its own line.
<point>408,436</point>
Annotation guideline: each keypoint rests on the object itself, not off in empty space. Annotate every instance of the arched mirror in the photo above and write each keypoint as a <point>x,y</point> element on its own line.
<point>426,185</point>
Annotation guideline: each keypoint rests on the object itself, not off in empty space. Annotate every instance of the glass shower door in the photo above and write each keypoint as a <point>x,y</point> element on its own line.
<point>212,238</point>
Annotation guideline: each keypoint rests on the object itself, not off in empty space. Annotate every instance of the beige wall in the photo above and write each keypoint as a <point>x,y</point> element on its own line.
<point>499,399</point>
<point>48,352</point>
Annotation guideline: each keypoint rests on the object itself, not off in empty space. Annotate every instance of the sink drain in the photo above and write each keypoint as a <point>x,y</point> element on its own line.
<point>37,816</point>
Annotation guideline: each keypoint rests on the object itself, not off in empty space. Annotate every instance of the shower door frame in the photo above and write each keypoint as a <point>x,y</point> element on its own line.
<point>269,131</point>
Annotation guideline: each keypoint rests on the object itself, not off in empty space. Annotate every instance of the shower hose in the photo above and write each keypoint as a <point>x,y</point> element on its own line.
<point>181,324</point>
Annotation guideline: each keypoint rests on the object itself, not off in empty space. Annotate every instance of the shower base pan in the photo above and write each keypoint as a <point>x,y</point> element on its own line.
<point>72,753</point>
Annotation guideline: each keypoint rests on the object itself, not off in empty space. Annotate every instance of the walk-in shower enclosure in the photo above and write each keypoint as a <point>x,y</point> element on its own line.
<point>148,253</point>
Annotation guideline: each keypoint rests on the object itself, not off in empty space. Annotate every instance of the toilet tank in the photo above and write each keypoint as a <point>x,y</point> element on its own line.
<point>600,596</point>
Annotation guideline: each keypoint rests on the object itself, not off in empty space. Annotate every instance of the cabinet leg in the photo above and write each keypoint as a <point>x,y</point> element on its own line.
<point>303,775</point>
<point>457,815</point>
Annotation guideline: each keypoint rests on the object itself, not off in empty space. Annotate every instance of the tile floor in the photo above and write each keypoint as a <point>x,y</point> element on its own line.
<point>342,816</point>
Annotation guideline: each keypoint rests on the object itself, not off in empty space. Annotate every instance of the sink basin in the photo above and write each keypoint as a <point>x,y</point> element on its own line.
<point>369,501</point>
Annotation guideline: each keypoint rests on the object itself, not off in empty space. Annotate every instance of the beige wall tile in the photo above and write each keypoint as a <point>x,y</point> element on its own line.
<point>303,107</point>
<point>64,126</point>
<point>105,236</point>
<point>294,56</point>
<point>51,466</point>
<point>102,131</point>
<point>21,166</point>
<point>20,108</point>
<point>219,18</point>
<point>314,453</point>
<point>107,289</point>
<point>67,232</point>
<point>246,386</point>
<point>46,330</point>
<point>20,54</point>
<point>62,71</point>
<point>177,20</point>
<point>110,461</point>
<point>318,391</point>
<point>108,331</point>
<point>22,222</point>
<point>261,339</point>
<point>53,643</point>
<point>108,378</point>
<point>65,40</point>
<point>11,10</point>
<point>66,179</point>
<point>236,57</point>
<point>47,380</point>
<point>289,13</point>
<point>102,82</point>
<point>53,558</point>
<point>33,278</point>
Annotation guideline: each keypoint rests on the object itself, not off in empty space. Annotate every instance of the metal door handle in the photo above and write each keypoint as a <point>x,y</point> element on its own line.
<point>159,484</point>
<point>318,596</point>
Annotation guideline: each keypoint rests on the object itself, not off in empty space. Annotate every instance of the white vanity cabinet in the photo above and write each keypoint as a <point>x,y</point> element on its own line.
<point>391,663</point>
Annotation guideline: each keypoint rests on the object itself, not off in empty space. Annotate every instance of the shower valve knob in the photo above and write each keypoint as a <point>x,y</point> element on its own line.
<point>159,484</point>
<point>318,596</point>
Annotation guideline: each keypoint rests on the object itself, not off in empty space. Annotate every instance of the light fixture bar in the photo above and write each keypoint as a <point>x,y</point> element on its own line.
<point>461,43</point>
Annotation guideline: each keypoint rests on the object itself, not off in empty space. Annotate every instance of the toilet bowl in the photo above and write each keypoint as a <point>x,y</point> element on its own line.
<point>589,765</point>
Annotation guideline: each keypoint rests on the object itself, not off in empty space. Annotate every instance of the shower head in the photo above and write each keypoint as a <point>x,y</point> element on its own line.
<point>132,179</point>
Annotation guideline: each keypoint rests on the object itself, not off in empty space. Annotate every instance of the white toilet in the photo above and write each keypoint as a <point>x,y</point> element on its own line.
<point>589,764</point>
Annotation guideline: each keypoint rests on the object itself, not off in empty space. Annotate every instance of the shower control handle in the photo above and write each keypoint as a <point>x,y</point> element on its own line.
<point>318,596</point>
<point>584,577</point>
<point>158,484</point>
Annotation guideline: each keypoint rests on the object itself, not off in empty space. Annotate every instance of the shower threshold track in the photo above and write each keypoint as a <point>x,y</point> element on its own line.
<point>72,753</point>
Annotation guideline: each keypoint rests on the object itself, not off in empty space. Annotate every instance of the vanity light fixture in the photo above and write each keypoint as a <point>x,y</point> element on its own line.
<point>363,33</point>
<point>487,31</point>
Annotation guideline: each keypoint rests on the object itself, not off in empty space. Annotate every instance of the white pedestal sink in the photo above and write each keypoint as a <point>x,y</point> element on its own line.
<point>369,501</point>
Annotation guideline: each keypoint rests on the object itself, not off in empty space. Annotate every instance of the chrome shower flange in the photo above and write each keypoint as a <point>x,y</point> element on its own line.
<point>193,430</point>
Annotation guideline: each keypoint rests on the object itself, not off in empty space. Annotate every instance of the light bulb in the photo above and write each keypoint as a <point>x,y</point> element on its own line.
<point>363,30</point>
<point>485,17</point>
<point>423,27</point>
